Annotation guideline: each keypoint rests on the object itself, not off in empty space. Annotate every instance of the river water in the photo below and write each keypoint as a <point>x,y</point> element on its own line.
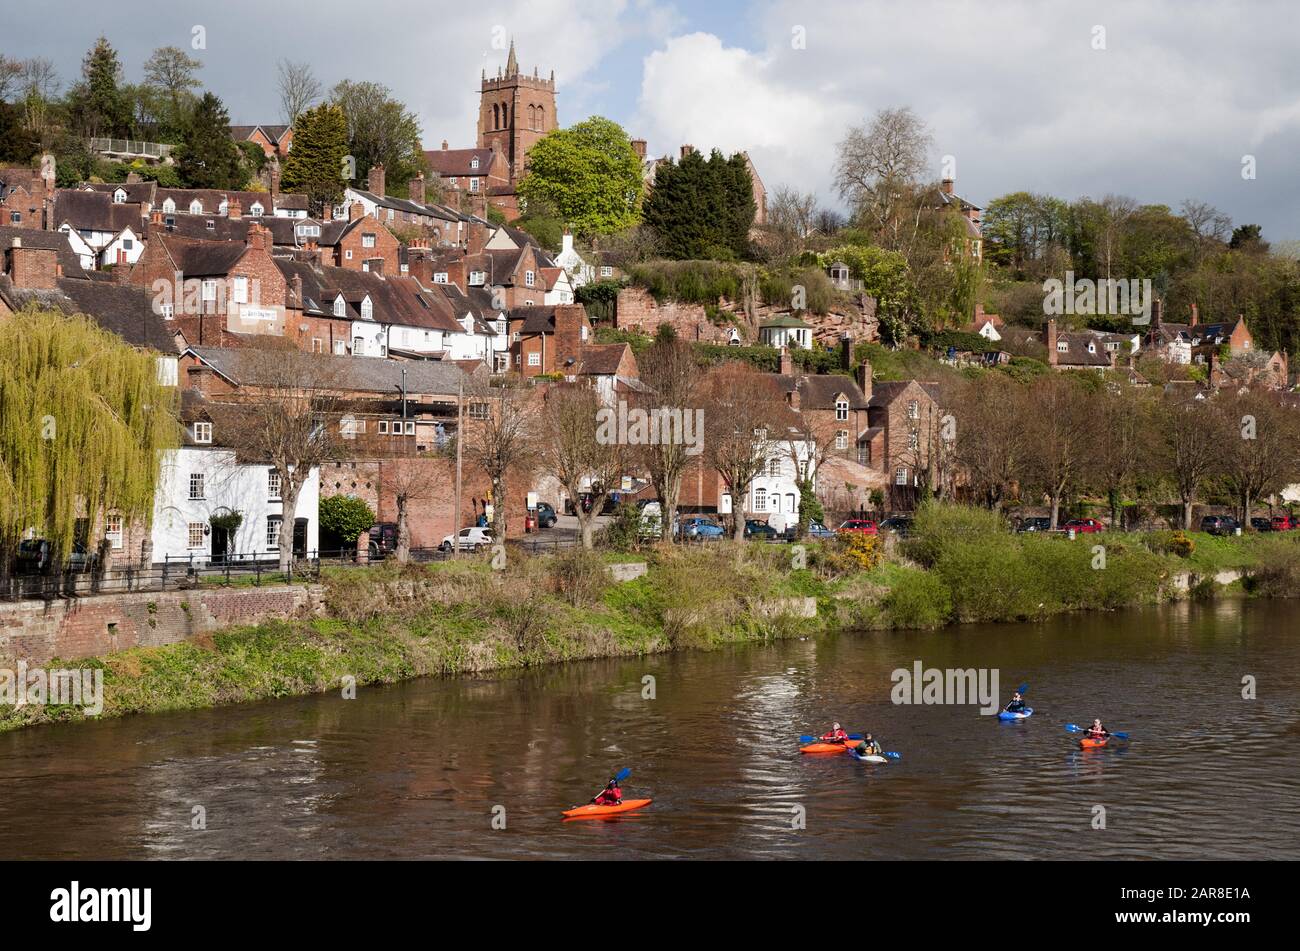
<point>417,770</point>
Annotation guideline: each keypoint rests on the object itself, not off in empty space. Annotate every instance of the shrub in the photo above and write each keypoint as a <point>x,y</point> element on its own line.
<point>623,530</point>
<point>578,576</point>
<point>918,599</point>
<point>855,551</point>
<point>345,516</point>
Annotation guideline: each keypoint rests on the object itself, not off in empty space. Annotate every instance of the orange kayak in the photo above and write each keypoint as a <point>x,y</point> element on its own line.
<point>820,747</point>
<point>592,811</point>
<point>1091,744</point>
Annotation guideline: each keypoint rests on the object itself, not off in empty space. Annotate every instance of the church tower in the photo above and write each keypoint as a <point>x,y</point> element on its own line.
<point>514,112</point>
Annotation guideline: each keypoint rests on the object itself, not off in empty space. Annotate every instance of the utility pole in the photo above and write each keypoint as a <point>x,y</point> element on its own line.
<point>460,449</point>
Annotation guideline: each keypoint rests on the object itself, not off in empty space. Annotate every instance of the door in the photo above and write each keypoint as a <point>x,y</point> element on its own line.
<point>300,538</point>
<point>220,545</point>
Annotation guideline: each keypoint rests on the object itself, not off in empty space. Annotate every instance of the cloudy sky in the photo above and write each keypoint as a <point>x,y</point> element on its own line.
<point>1019,94</point>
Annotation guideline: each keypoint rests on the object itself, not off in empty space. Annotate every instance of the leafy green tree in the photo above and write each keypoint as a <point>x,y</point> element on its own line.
<point>346,517</point>
<point>589,174</point>
<point>315,163</point>
<point>209,158</point>
<point>886,277</point>
<point>380,131</point>
<point>17,143</point>
<point>702,208</point>
<point>99,104</point>
<point>85,424</point>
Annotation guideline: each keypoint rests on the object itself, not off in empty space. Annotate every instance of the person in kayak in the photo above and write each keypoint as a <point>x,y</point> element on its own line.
<point>836,735</point>
<point>611,795</point>
<point>1017,704</point>
<point>1097,731</point>
<point>868,747</point>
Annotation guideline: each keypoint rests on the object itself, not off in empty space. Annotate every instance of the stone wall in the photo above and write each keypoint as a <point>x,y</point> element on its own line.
<point>73,628</point>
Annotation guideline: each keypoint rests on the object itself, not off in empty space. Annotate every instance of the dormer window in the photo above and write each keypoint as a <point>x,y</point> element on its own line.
<point>203,432</point>
<point>367,309</point>
<point>119,196</point>
<point>169,206</point>
<point>223,207</point>
<point>1062,346</point>
<point>196,207</point>
<point>473,162</point>
<point>530,278</point>
<point>256,210</point>
<point>1092,348</point>
<point>841,409</point>
<point>340,306</point>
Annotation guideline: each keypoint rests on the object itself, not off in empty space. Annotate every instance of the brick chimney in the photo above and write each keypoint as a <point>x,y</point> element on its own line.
<point>274,175</point>
<point>36,268</point>
<point>133,178</point>
<point>864,378</point>
<point>846,353</point>
<point>1195,316</point>
<point>1051,341</point>
<point>1157,310</point>
<point>233,209</point>
<point>376,180</point>
<point>477,237</point>
<point>787,365</point>
<point>569,321</point>
<point>687,150</point>
<point>416,189</point>
<point>327,212</point>
<point>456,274</point>
<point>444,145</point>
<point>639,146</point>
<point>257,237</point>
<point>947,186</point>
<point>295,292</point>
<point>356,210</point>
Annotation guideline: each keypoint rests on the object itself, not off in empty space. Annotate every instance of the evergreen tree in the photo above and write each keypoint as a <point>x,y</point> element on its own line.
<point>315,163</point>
<point>702,208</point>
<point>209,157</point>
<point>99,103</point>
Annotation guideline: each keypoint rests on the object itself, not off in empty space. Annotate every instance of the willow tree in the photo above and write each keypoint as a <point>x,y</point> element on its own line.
<point>85,423</point>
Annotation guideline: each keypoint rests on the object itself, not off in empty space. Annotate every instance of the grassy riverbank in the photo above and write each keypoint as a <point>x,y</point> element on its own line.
<point>388,623</point>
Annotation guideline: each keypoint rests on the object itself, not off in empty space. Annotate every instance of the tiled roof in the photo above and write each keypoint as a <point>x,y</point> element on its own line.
<point>246,367</point>
<point>126,311</point>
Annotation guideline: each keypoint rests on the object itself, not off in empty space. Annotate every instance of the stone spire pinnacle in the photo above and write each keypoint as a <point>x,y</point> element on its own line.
<point>512,62</point>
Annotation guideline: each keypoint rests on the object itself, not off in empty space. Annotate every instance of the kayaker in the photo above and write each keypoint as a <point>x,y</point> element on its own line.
<point>1097,731</point>
<point>611,795</point>
<point>836,735</point>
<point>1017,704</point>
<point>868,747</point>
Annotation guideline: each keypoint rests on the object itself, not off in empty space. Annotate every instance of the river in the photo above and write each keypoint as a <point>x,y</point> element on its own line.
<point>415,770</point>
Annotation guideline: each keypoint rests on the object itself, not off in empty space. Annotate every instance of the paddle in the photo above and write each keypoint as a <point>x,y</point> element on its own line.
<point>621,775</point>
<point>813,739</point>
<point>1078,729</point>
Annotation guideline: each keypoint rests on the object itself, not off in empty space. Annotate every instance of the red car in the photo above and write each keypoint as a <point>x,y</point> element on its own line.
<point>1283,523</point>
<point>1084,525</point>
<point>864,526</point>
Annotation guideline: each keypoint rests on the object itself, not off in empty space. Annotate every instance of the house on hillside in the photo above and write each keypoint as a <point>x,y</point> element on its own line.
<point>785,330</point>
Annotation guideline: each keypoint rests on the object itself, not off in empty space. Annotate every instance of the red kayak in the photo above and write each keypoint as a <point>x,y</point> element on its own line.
<point>592,811</point>
<point>825,747</point>
<point>1090,744</point>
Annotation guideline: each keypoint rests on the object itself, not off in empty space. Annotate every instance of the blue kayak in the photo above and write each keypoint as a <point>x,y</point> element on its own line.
<point>1027,712</point>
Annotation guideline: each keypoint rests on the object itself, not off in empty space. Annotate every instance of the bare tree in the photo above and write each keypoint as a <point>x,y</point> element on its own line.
<point>11,71</point>
<point>876,163</point>
<point>1260,457</point>
<point>575,448</point>
<point>792,211</point>
<point>672,380</point>
<point>1189,445</point>
<point>499,436</point>
<point>1122,444</point>
<point>290,416</point>
<point>742,430</point>
<point>39,85</point>
<point>1061,431</point>
<point>299,88</point>
<point>1211,228</point>
<point>991,441</point>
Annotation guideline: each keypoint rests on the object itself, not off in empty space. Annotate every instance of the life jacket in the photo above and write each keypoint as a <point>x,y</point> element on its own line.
<point>610,796</point>
<point>835,736</point>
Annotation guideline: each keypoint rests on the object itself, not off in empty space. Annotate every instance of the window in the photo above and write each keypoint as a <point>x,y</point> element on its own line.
<point>473,163</point>
<point>367,240</point>
<point>367,310</point>
<point>340,306</point>
<point>1062,346</point>
<point>209,290</point>
<point>842,439</point>
<point>239,288</point>
<point>113,530</point>
<point>196,207</point>
<point>273,532</point>
<point>760,500</point>
<point>864,454</point>
<point>530,278</point>
<point>255,210</point>
<point>196,485</point>
<point>195,535</point>
<point>317,346</point>
<point>168,311</point>
<point>15,217</point>
<point>914,441</point>
<point>841,409</point>
<point>169,206</point>
<point>440,277</point>
<point>410,427</point>
<point>203,432</point>
<point>900,475</point>
<point>473,184</point>
<point>272,484</point>
<point>383,427</point>
<point>347,255</point>
<point>774,468</point>
<point>340,347</point>
<point>127,244</point>
<point>358,346</point>
<point>913,410</point>
<point>606,271</point>
<point>479,411</point>
<point>478,278</point>
<point>534,359</point>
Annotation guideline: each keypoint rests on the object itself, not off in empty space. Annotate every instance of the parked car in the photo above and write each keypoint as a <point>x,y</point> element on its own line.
<point>1084,525</point>
<point>1220,524</point>
<point>696,526</point>
<point>1262,524</point>
<point>33,556</point>
<point>760,530</point>
<point>1034,523</point>
<point>1283,523</point>
<point>471,539</point>
<point>818,530</point>
<point>383,540</point>
<point>546,516</point>
<point>900,525</point>
<point>863,526</point>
